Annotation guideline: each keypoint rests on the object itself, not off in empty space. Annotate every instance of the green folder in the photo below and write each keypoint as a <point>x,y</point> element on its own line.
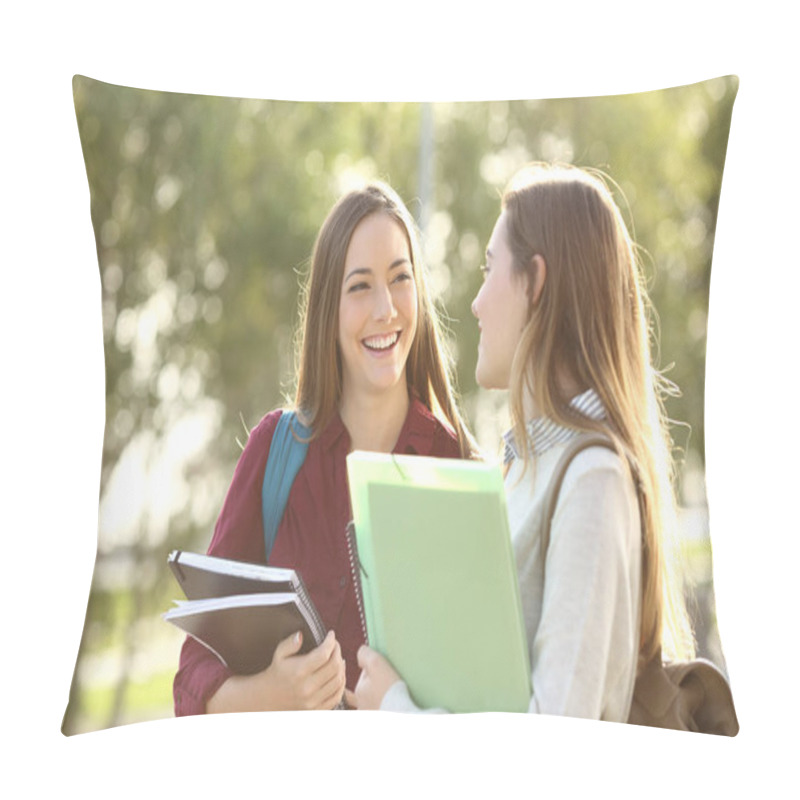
<point>438,579</point>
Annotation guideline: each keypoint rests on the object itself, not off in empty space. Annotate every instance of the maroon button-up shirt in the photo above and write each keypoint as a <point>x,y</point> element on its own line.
<point>310,538</point>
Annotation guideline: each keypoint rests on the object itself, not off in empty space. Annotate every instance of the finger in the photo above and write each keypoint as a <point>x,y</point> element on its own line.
<point>334,698</point>
<point>321,654</point>
<point>362,691</point>
<point>326,679</point>
<point>331,670</point>
<point>328,651</point>
<point>363,655</point>
<point>306,674</point>
<point>288,646</point>
<point>310,671</point>
<point>350,699</point>
<point>329,693</point>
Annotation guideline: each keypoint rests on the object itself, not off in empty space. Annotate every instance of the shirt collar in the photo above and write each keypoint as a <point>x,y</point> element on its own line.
<point>543,433</point>
<point>417,435</point>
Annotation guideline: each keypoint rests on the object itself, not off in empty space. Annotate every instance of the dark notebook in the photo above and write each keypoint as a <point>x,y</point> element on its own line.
<point>242,611</point>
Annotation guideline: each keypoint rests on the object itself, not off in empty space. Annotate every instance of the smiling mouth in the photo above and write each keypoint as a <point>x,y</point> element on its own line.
<point>381,343</point>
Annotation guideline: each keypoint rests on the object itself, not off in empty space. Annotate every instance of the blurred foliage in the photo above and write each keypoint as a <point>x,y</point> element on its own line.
<point>205,211</point>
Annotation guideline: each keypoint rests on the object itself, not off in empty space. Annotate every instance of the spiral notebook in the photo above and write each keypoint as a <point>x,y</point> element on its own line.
<point>241,611</point>
<point>439,595</point>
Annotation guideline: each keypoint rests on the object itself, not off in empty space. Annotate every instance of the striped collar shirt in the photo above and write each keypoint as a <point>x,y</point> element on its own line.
<point>543,433</point>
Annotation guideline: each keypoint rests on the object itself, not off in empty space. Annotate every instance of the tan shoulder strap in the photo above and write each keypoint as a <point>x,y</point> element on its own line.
<point>575,446</point>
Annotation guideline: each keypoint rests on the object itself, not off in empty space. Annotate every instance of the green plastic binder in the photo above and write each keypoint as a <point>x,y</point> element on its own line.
<point>438,579</point>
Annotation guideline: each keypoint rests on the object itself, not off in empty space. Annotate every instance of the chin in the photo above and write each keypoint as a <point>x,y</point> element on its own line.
<point>386,383</point>
<point>489,382</point>
<point>482,378</point>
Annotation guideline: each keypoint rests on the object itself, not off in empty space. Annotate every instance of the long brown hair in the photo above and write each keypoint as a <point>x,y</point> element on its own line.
<point>429,369</point>
<point>592,323</point>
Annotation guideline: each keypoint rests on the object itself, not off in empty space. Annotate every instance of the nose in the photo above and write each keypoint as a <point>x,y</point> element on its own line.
<point>384,310</point>
<point>474,306</point>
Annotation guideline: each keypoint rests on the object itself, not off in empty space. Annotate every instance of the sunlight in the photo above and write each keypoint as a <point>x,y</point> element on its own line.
<point>149,484</point>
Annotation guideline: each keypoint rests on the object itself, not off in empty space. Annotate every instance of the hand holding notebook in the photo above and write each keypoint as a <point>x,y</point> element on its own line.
<point>293,681</point>
<point>261,623</point>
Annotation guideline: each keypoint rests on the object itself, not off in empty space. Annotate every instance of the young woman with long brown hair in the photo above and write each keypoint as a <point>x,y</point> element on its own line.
<point>565,327</point>
<point>372,375</point>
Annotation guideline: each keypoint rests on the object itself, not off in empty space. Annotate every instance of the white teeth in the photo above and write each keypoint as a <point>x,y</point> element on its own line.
<point>382,342</point>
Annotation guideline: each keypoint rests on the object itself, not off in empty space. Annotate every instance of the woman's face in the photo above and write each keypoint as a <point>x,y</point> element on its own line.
<point>501,308</point>
<point>377,307</point>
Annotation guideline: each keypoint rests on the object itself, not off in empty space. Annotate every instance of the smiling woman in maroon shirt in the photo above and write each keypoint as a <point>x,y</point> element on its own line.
<point>372,376</point>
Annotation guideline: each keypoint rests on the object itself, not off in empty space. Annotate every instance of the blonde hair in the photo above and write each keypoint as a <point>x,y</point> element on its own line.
<point>591,324</point>
<point>429,369</point>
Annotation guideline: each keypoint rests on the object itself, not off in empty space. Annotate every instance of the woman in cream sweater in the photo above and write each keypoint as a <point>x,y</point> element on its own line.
<point>564,325</point>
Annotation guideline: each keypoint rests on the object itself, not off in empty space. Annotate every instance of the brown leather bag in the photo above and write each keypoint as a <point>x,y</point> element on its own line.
<point>684,695</point>
<point>681,695</point>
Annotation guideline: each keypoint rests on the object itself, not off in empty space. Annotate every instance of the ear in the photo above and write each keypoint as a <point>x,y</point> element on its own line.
<point>538,276</point>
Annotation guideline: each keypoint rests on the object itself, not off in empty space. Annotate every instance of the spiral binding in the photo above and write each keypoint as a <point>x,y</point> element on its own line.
<point>309,610</point>
<point>355,563</point>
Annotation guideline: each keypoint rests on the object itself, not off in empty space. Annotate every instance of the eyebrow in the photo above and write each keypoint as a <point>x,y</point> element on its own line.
<point>367,271</point>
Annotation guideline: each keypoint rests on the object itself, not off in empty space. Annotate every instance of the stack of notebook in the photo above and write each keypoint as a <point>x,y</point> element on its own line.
<point>242,611</point>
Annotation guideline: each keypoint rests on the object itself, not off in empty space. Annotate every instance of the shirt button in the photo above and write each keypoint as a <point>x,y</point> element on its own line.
<point>342,582</point>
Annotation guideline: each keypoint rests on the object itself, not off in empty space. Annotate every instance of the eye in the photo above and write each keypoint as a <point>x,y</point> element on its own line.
<point>403,276</point>
<point>357,287</point>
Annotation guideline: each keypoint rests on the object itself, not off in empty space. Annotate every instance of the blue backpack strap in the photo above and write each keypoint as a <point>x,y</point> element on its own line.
<point>286,456</point>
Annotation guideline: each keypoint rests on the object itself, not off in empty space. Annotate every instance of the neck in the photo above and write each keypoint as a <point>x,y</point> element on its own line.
<point>374,422</point>
<point>570,388</point>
